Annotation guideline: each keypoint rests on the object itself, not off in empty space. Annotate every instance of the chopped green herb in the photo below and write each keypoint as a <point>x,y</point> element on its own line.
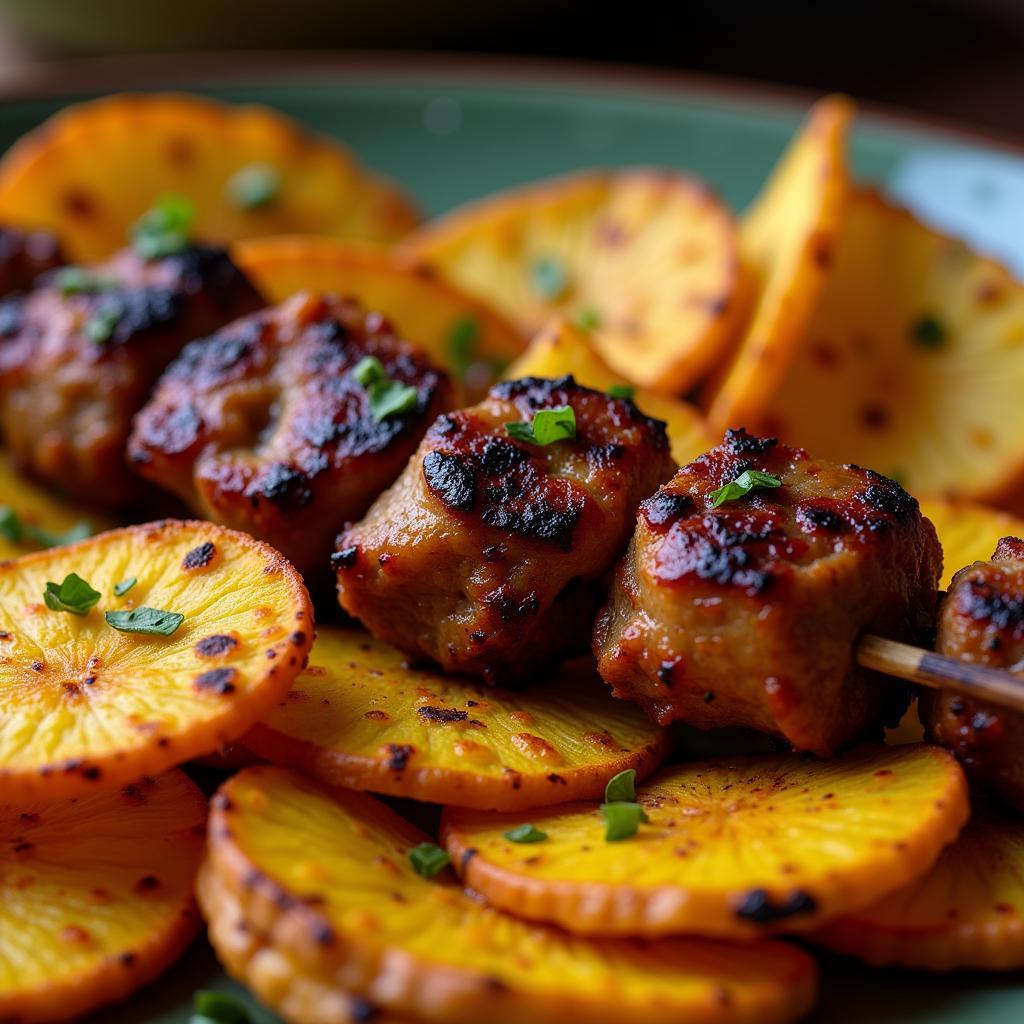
<point>549,278</point>
<point>79,281</point>
<point>163,230</point>
<point>218,1008</point>
<point>547,426</point>
<point>150,621</point>
<point>387,397</point>
<point>621,788</point>
<point>122,588</point>
<point>525,834</point>
<point>15,530</point>
<point>74,595</point>
<point>588,318</point>
<point>253,186</point>
<point>100,327</point>
<point>369,370</point>
<point>463,339</point>
<point>749,480</point>
<point>622,820</point>
<point>621,391</point>
<point>428,859</point>
<point>928,332</point>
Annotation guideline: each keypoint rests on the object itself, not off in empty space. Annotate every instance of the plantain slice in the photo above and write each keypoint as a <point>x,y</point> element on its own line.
<point>649,257</point>
<point>457,330</point>
<point>562,348</point>
<point>328,875</point>
<point>788,239</point>
<point>359,717</point>
<point>968,531</point>
<point>87,705</point>
<point>734,848</point>
<point>967,912</point>
<point>95,895</point>
<point>93,169</point>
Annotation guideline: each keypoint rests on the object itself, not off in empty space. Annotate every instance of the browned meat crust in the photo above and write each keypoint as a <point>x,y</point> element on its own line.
<point>24,255</point>
<point>263,427</point>
<point>486,554</point>
<point>75,368</point>
<point>747,614</point>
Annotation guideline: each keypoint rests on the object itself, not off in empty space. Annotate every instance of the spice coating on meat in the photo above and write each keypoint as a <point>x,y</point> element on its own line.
<point>24,255</point>
<point>982,622</point>
<point>76,366</point>
<point>263,426</point>
<point>748,614</point>
<point>486,554</point>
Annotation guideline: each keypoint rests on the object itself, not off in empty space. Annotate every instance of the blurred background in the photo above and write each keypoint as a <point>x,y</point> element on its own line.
<point>961,60</point>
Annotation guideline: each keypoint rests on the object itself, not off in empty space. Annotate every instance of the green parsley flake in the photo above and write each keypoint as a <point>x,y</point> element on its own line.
<point>387,397</point>
<point>622,391</point>
<point>218,1008</point>
<point>163,230</point>
<point>122,588</point>
<point>253,186</point>
<point>549,279</point>
<point>428,859</point>
<point>621,788</point>
<point>148,621</point>
<point>15,530</point>
<point>463,339</point>
<point>100,327</point>
<point>547,426</point>
<point>525,834</point>
<point>749,480</point>
<point>622,820</point>
<point>79,281</point>
<point>588,318</point>
<point>74,595</point>
<point>928,332</point>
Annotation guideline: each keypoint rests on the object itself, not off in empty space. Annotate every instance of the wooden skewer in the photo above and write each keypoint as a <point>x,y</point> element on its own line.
<point>936,670</point>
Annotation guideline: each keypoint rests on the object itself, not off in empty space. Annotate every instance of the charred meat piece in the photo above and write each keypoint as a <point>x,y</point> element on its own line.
<point>24,255</point>
<point>266,427</point>
<point>982,621</point>
<point>77,364</point>
<point>486,554</point>
<point>748,614</point>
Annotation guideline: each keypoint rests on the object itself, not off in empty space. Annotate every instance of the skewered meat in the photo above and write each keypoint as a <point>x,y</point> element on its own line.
<point>264,426</point>
<point>76,365</point>
<point>748,613</point>
<point>486,553</point>
<point>24,255</point>
<point>982,621</point>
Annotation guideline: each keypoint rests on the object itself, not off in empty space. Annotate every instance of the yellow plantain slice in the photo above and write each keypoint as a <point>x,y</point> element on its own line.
<point>565,348</point>
<point>458,331</point>
<point>788,239</point>
<point>969,532</point>
<point>648,257</point>
<point>967,912</point>
<point>95,895</point>
<point>359,717</point>
<point>86,705</point>
<point>734,848</point>
<point>93,169</point>
<point>328,875</point>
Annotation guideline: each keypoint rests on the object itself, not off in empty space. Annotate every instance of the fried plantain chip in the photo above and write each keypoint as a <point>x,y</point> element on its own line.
<point>563,348</point>
<point>330,875</point>
<point>788,239</point>
<point>458,331</point>
<point>359,717</point>
<point>969,532</point>
<point>967,912</point>
<point>93,169</point>
<point>101,681</point>
<point>649,258</point>
<point>734,848</point>
<point>95,895</point>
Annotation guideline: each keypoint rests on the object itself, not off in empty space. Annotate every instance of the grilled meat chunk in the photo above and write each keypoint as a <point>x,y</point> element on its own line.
<point>75,366</point>
<point>265,427</point>
<point>982,621</point>
<point>748,613</point>
<point>24,255</point>
<point>486,554</point>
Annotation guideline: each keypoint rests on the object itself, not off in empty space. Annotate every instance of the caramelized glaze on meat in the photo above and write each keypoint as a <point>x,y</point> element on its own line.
<point>747,614</point>
<point>982,621</point>
<point>75,368</point>
<point>263,427</point>
<point>486,553</point>
<point>24,255</point>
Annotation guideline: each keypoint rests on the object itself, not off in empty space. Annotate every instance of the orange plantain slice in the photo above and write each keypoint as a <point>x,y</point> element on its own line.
<point>969,532</point>
<point>967,912</point>
<point>649,257</point>
<point>562,347</point>
<point>734,848</point>
<point>457,330</point>
<point>359,717</point>
<point>328,874</point>
<point>86,705</point>
<point>93,169</point>
<point>787,238</point>
<point>95,895</point>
